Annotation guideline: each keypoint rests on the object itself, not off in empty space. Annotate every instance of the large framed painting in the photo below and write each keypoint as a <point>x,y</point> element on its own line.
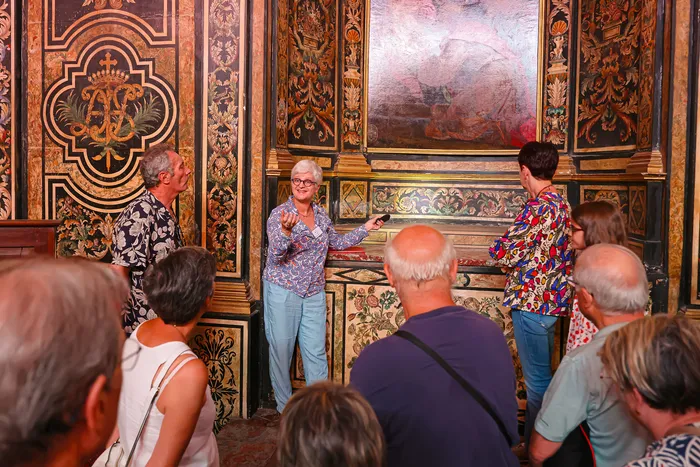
<point>453,76</point>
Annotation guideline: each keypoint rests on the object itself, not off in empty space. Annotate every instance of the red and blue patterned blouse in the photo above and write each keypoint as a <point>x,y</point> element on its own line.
<point>536,251</point>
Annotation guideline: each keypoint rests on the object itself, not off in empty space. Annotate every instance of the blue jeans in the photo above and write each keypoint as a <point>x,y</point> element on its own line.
<point>287,316</point>
<point>534,338</point>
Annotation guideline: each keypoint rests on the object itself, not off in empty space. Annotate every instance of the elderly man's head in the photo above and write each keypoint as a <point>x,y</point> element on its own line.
<point>420,257</point>
<point>60,347</point>
<point>162,167</point>
<point>610,280</point>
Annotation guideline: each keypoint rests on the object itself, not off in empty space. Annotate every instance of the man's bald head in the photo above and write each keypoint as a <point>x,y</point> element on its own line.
<point>615,277</point>
<point>420,254</point>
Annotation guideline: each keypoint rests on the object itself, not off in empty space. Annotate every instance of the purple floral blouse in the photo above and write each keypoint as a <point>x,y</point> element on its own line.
<point>296,263</point>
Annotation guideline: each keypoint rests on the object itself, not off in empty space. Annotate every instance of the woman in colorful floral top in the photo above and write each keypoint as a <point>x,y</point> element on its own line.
<point>592,223</point>
<point>294,297</point>
<point>536,254</point>
<point>654,363</point>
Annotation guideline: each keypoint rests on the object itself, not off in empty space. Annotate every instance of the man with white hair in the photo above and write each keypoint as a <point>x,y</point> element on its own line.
<point>61,360</point>
<point>443,386</point>
<point>147,230</point>
<point>612,290</point>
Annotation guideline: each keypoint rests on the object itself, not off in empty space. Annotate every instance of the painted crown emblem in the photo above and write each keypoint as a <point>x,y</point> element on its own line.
<point>108,77</point>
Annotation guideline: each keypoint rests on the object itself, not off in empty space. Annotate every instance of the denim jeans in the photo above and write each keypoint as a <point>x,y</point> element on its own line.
<point>534,338</point>
<point>288,316</point>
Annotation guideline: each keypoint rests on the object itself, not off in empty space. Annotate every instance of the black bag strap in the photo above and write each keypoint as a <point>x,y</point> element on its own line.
<point>456,376</point>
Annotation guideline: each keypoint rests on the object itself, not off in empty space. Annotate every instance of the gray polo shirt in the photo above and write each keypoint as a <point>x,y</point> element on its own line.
<point>579,392</point>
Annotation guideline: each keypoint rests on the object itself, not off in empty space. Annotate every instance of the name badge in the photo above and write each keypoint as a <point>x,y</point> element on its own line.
<point>317,232</point>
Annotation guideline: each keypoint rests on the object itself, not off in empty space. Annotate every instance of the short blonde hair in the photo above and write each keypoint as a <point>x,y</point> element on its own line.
<point>306,166</point>
<point>657,356</point>
<point>329,424</point>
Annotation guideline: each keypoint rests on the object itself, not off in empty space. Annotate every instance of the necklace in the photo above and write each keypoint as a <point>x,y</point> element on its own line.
<point>311,211</point>
<point>540,192</point>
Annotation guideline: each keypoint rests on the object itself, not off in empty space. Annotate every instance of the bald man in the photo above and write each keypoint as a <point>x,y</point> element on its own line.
<point>612,290</point>
<point>427,417</point>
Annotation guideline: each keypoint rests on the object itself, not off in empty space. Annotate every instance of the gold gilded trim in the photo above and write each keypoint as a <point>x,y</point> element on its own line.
<point>619,163</point>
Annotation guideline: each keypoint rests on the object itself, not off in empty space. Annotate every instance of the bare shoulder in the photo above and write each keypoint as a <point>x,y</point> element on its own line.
<point>188,385</point>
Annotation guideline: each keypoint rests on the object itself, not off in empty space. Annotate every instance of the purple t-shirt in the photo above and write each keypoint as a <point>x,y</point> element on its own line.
<point>427,417</point>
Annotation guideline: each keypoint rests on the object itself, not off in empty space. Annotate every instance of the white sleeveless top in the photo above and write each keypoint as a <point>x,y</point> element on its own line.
<point>136,396</point>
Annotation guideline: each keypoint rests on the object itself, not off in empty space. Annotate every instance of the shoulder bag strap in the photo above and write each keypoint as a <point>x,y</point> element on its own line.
<point>161,376</point>
<point>456,376</point>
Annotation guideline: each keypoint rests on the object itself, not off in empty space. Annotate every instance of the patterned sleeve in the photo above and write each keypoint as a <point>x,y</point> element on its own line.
<point>519,239</point>
<point>279,242</point>
<point>341,242</point>
<point>130,239</point>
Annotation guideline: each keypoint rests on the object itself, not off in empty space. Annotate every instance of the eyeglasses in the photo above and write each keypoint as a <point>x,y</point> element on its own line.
<point>305,183</point>
<point>576,229</point>
<point>130,354</point>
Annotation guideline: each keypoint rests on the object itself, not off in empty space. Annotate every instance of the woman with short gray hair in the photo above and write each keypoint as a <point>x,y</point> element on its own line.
<point>178,429</point>
<point>654,363</point>
<point>293,295</point>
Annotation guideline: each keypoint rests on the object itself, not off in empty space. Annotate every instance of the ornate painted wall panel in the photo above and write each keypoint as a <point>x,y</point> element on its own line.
<point>638,210</point>
<point>460,202</point>
<point>555,114</point>
<point>105,81</point>
<point>452,76</point>
<point>353,74</point>
<point>353,199</point>
<point>608,91</point>
<point>646,73</point>
<point>222,344</point>
<point>617,195</point>
<point>312,80</point>
<point>8,70</point>
<point>223,130</point>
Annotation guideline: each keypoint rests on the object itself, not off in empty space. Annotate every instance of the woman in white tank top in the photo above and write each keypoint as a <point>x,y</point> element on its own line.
<point>179,428</point>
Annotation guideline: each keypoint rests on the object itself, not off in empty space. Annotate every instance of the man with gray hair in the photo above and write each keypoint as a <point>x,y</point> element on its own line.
<point>147,230</point>
<point>60,368</point>
<point>428,415</point>
<point>612,289</point>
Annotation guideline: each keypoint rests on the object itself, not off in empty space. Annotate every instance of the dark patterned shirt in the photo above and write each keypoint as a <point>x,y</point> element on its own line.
<point>144,233</point>
<point>296,263</point>
<point>672,451</point>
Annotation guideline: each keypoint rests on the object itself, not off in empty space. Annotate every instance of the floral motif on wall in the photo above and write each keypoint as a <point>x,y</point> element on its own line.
<point>219,350</point>
<point>223,134</point>
<point>82,232</point>
<point>372,315</point>
<point>6,83</point>
<point>485,203</point>
<point>608,95</point>
<point>352,73</point>
<point>311,85</point>
<point>282,70</point>
<point>556,107</point>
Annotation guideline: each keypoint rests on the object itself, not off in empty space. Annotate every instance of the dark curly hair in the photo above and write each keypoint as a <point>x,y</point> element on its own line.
<point>541,158</point>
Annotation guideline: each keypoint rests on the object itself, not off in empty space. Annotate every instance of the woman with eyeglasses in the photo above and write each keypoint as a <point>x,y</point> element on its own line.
<point>178,430</point>
<point>300,232</point>
<point>592,223</point>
